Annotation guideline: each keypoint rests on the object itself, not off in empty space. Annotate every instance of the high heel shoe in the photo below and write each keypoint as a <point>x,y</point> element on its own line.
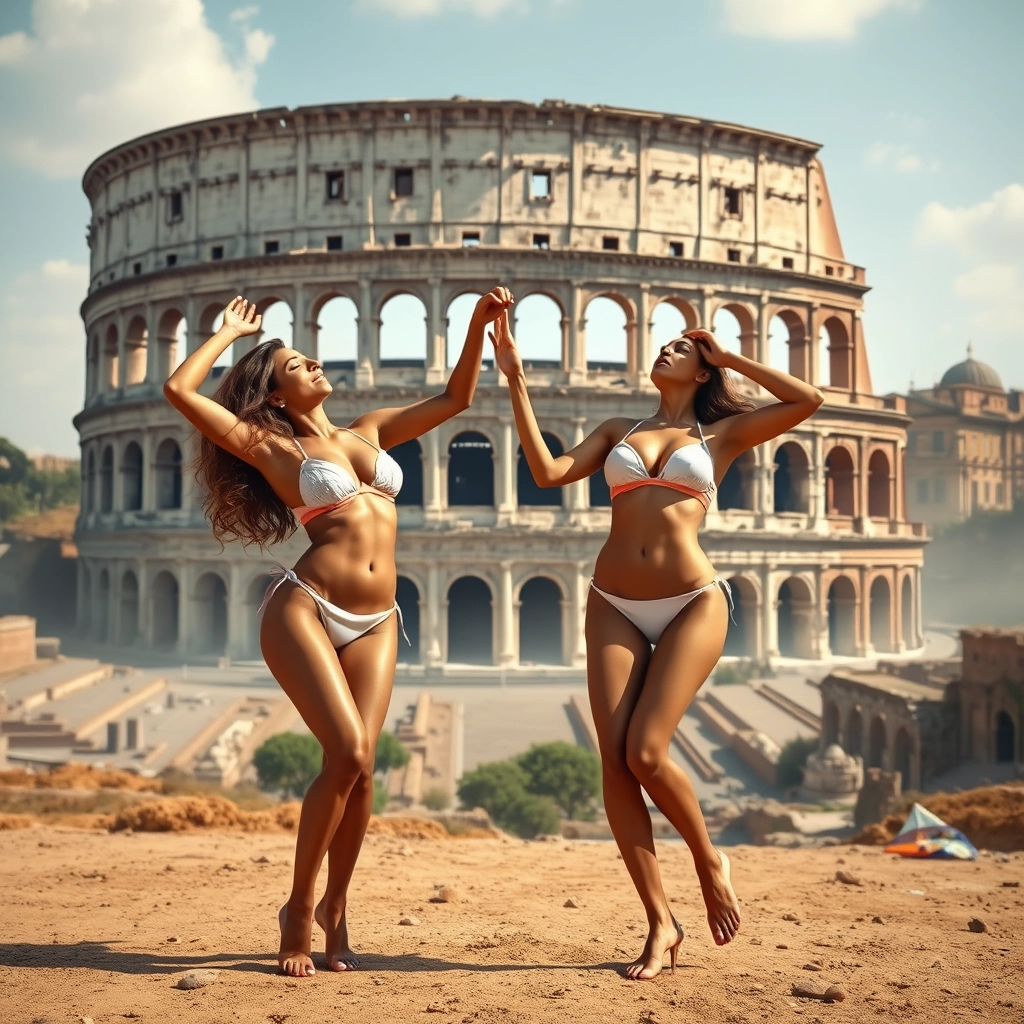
<point>673,952</point>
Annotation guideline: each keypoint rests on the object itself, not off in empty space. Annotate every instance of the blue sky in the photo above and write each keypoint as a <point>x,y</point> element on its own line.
<point>911,99</point>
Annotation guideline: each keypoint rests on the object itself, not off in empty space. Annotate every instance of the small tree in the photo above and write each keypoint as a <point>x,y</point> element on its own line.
<point>529,816</point>
<point>437,799</point>
<point>569,775</point>
<point>494,786</point>
<point>389,754</point>
<point>790,769</point>
<point>288,762</point>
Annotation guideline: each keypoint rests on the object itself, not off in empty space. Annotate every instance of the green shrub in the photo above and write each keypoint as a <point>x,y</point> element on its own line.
<point>380,795</point>
<point>569,775</point>
<point>437,799</point>
<point>288,762</point>
<point>529,816</point>
<point>389,753</point>
<point>500,788</point>
<point>790,769</point>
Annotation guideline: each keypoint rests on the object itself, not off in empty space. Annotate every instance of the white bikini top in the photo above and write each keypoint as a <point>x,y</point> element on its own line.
<point>689,469</point>
<point>325,485</point>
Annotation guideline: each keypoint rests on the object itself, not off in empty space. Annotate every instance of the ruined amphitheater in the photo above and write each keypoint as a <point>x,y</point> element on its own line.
<point>364,232</point>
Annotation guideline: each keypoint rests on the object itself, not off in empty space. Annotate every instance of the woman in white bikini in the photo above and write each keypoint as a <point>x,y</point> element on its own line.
<point>657,614</point>
<point>267,454</point>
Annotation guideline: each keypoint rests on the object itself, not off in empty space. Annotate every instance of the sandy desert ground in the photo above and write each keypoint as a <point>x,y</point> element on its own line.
<point>100,926</point>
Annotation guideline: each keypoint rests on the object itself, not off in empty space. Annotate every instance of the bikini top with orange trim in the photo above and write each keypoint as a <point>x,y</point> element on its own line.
<point>689,469</point>
<point>325,486</point>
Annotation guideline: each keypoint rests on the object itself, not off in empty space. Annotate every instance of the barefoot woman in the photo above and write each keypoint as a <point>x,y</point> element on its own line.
<point>657,613</point>
<point>329,632</point>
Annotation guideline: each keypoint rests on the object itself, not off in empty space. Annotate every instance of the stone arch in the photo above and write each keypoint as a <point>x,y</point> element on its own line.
<point>470,622</point>
<point>877,742</point>
<point>107,479</point>
<point>471,469</point>
<point>540,621</point>
<point>164,598</point>
<point>211,614</point>
<point>171,342</point>
<point>836,354</point>
<point>409,456</point>
<point>110,374</point>
<point>842,617</point>
<point>1005,738</point>
<point>337,330</point>
<point>403,330</point>
<point>741,640</point>
<point>795,613</point>
<point>792,480</point>
<point>829,724</point>
<point>407,594</point>
<point>131,477</point>
<point>672,314</point>
<point>458,314</point>
<point>167,472</point>
<point>787,342</point>
<point>278,322</point>
<point>136,342</point>
<point>610,328</point>
<point>853,738</point>
<point>741,334</point>
<point>909,632</point>
<point>879,486</point>
<point>903,753</point>
<point>840,481</point>
<point>128,619</point>
<point>102,618</point>
<point>880,610</point>
<point>540,326</point>
<point>528,491</point>
<point>736,491</point>
<point>90,481</point>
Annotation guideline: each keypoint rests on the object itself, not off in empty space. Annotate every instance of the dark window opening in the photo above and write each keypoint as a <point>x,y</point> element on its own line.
<point>830,271</point>
<point>335,184</point>
<point>610,243</point>
<point>403,240</point>
<point>733,202</point>
<point>333,243</point>
<point>272,247</point>
<point>172,259</point>
<point>217,252</point>
<point>787,262</point>
<point>403,181</point>
<point>937,441</point>
<point>175,206</point>
<point>540,185</point>
<point>470,239</point>
<point>470,622</point>
<point>528,491</point>
<point>734,255</point>
<point>675,248</point>
<point>136,269</point>
<point>542,241</point>
<point>470,470</point>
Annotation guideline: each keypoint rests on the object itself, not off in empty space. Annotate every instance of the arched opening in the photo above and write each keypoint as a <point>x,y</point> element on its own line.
<point>107,480</point>
<point>876,743</point>
<point>669,318</point>
<point>129,617</point>
<point>902,751</point>
<point>277,322</point>
<point>337,333</point>
<point>165,610</point>
<point>210,322</point>
<point>787,343</point>
<point>136,341</point>
<point>907,614</point>
<point>470,470</point>
<point>1006,739</point>
<point>172,343</point>
<point>527,489</point>
<point>90,482</point>
<point>842,617</point>
<point>470,625</point>
<point>540,622</point>
<point>830,723</point>
<point>741,640</point>
<point>600,494</point>
<point>110,377</point>
<point>459,315</point>
<point>607,341</point>
<point>878,486</point>
<point>854,735</point>
<point>836,355</point>
<point>737,487</point>
<point>407,595</point>
<point>727,329</point>
<point>537,326</point>
<point>403,331</point>
<point>409,456</point>
<point>253,599</point>
<point>794,619</point>
<point>792,479</point>
<point>881,614</point>
<point>167,470</point>
<point>131,476</point>
<point>211,614</point>
<point>839,482</point>
<point>102,617</point>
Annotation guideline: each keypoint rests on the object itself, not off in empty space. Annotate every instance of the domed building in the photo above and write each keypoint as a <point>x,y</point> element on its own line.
<point>364,232</point>
<point>965,451</point>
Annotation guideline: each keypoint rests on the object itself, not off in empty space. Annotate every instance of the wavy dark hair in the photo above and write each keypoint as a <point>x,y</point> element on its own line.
<point>237,500</point>
<point>718,396</point>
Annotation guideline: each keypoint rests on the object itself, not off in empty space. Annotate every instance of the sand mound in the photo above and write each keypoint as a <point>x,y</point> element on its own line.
<point>992,817</point>
<point>184,813</point>
<point>80,776</point>
<point>11,821</point>
<point>407,828</point>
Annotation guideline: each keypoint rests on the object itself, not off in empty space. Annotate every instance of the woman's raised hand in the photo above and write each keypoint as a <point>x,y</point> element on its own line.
<point>492,305</point>
<point>241,318</point>
<point>506,355</point>
<point>711,349</point>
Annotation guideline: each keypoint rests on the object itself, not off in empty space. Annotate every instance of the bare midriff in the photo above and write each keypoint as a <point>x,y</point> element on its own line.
<point>652,549</point>
<point>350,560</point>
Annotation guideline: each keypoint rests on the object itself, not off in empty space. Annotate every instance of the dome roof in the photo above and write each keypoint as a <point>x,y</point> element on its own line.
<point>970,371</point>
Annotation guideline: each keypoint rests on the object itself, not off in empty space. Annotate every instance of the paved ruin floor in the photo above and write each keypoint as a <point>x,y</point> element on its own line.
<point>101,926</point>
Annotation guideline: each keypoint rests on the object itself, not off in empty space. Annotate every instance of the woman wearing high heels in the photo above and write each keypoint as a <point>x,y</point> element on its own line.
<point>268,456</point>
<point>657,613</point>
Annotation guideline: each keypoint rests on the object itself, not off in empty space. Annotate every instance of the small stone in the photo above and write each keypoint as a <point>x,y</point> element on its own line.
<point>938,963</point>
<point>173,938</point>
<point>571,903</point>
<point>782,945</point>
<point>812,967</point>
<point>1011,885</point>
<point>406,851</point>
<point>756,989</point>
<point>848,878</point>
<point>877,920</point>
<point>790,917</point>
<point>977,925</point>
<point>264,859</point>
<point>806,990</point>
<point>444,894</point>
<point>949,991</point>
<point>436,1008</point>
<point>755,942</point>
<point>411,921</point>
<point>197,979</point>
<point>85,1020</point>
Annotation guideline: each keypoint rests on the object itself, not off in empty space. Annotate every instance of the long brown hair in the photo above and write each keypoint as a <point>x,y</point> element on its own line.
<point>718,396</point>
<point>237,500</point>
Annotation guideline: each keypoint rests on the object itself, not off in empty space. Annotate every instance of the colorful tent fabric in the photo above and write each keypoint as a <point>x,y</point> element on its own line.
<point>926,835</point>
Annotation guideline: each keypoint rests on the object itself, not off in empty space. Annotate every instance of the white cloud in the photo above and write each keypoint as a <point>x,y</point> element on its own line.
<point>900,157</point>
<point>94,73</point>
<point>42,349</point>
<point>429,8</point>
<point>807,19</point>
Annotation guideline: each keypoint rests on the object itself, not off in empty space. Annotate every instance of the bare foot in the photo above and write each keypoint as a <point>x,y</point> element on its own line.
<point>720,899</point>
<point>662,939</point>
<point>293,958</point>
<point>339,954</point>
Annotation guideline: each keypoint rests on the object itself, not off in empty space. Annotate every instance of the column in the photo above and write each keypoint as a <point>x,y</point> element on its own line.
<point>813,347</point>
<point>577,337</point>
<point>148,472</point>
<point>83,598</point>
<point>300,239</point>
<point>643,334</point>
<point>193,227</point>
<point>576,174</point>
<point>369,337</point>
<point>184,583</point>
<point>436,336</point>
<point>433,649</point>
<point>367,183</point>
<point>863,617</point>
<point>144,631</point>
<point>816,504</point>
<point>758,200</point>
<point>432,498</point>
<point>302,338</point>
<point>436,201</point>
<point>861,489</point>
<point>243,212</point>
<point>763,319</point>
<point>769,613</point>
<point>506,618</point>
<point>237,611</point>
<point>152,346</point>
<point>577,497</point>
<point>824,647</point>
<point>703,185</point>
<point>706,310</point>
<point>766,477</point>
<point>122,353</point>
<point>577,619</point>
<point>506,462</point>
<point>642,173</point>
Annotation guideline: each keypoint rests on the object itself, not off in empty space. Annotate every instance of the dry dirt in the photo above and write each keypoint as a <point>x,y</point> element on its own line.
<point>101,925</point>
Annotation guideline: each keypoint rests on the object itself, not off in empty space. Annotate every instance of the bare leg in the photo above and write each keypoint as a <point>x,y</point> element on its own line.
<point>685,655</point>
<point>369,665</point>
<point>301,658</point>
<point>617,659</point>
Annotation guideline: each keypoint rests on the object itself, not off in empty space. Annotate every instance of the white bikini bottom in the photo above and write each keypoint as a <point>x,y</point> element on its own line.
<point>342,627</point>
<point>653,617</point>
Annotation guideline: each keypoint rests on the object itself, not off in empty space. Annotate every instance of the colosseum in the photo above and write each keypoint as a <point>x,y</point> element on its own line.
<point>364,232</point>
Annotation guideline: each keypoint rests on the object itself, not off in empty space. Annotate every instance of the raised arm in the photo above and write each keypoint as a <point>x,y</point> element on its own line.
<point>222,427</point>
<point>394,426</point>
<point>548,471</point>
<point>796,401</point>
